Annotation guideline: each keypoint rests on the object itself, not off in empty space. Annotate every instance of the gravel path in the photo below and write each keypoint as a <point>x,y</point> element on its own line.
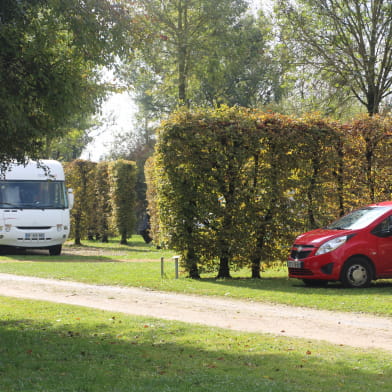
<point>351,329</point>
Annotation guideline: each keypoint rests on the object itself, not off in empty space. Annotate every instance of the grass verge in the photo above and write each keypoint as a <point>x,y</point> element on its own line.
<point>138,265</point>
<point>47,347</point>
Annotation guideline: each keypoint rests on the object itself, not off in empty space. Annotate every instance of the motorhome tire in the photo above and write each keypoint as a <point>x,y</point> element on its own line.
<point>55,250</point>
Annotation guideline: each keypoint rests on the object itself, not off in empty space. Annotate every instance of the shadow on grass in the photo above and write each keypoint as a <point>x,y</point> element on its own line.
<point>131,354</point>
<point>75,259</point>
<point>82,253</point>
<point>136,243</point>
<point>111,248</point>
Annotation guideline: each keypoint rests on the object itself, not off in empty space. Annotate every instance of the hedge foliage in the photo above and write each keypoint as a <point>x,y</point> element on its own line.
<point>233,187</point>
<point>104,199</point>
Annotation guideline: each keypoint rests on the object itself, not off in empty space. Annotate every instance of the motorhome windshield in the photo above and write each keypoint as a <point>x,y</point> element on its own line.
<point>358,219</point>
<point>33,194</point>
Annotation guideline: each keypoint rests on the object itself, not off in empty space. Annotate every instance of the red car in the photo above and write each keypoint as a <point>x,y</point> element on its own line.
<point>355,249</point>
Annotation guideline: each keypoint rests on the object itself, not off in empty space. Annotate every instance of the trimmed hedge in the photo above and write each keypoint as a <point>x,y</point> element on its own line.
<point>232,187</point>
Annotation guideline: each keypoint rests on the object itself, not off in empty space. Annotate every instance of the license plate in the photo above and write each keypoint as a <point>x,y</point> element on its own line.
<point>295,264</point>
<point>34,236</point>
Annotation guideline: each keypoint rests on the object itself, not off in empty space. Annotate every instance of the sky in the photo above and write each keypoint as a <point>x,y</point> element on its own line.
<point>117,117</point>
<point>117,114</point>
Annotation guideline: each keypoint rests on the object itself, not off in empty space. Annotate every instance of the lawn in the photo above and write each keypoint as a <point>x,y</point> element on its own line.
<point>57,348</point>
<point>139,265</point>
<point>47,347</point>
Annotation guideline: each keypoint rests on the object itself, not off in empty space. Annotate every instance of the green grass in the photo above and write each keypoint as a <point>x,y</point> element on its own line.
<point>47,347</point>
<point>122,265</point>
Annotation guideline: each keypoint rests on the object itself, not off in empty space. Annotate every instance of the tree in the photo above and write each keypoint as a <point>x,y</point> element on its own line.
<point>80,175</point>
<point>70,146</point>
<point>179,32</point>
<point>349,41</point>
<point>199,177</point>
<point>122,188</point>
<point>239,68</point>
<point>154,225</point>
<point>138,146</point>
<point>50,56</point>
<point>104,206</point>
<point>230,187</point>
<point>367,163</point>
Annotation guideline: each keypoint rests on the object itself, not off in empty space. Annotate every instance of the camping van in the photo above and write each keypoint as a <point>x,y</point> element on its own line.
<point>34,206</point>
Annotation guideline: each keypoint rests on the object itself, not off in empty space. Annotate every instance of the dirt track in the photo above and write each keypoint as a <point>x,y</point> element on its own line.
<point>339,328</point>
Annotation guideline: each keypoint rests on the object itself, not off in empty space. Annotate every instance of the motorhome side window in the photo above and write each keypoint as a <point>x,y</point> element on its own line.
<point>33,194</point>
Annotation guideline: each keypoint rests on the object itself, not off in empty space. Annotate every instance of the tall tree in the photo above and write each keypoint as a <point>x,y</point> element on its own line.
<point>50,53</point>
<point>104,206</point>
<point>122,186</point>
<point>80,176</point>
<point>199,179</point>
<point>349,41</point>
<point>240,68</point>
<point>179,31</point>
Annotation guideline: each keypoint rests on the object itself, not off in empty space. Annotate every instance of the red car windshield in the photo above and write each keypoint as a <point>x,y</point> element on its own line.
<point>358,219</point>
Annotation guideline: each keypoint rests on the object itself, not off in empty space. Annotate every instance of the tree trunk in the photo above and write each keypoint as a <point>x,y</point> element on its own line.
<point>181,76</point>
<point>224,270</point>
<point>123,240</point>
<point>78,229</point>
<point>256,268</point>
<point>369,169</point>
<point>182,54</point>
<point>256,260</point>
<point>191,264</point>
<point>372,102</point>
<point>194,272</point>
<point>311,190</point>
<point>257,255</point>
<point>340,177</point>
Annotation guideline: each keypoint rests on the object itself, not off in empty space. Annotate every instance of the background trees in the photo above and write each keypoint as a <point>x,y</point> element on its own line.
<point>239,68</point>
<point>215,170</point>
<point>181,32</point>
<point>182,52</point>
<point>80,177</point>
<point>49,67</point>
<point>104,199</point>
<point>122,179</point>
<point>103,204</point>
<point>349,42</point>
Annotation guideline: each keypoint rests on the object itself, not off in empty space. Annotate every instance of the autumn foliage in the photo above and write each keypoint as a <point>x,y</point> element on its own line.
<point>122,179</point>
<point>80,177</point>
<point>232,187</point>
<point>104,199</point>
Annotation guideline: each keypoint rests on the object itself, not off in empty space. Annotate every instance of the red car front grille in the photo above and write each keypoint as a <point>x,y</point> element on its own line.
<point>300,272</point>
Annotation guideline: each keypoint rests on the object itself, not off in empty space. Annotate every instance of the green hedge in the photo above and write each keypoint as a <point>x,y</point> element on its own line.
<point>232,187</point>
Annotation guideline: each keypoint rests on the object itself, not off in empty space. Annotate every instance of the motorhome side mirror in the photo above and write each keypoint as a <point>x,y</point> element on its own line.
<point>70,198</point>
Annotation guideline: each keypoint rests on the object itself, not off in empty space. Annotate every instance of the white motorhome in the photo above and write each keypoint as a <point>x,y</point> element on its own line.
<point>35,206</point>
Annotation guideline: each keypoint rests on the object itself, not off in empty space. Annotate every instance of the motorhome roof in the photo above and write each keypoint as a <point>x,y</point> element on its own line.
<point>42,170</point>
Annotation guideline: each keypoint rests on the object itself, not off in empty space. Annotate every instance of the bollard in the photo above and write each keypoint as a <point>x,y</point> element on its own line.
<point>176,258</point>
<point>162,267</point>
